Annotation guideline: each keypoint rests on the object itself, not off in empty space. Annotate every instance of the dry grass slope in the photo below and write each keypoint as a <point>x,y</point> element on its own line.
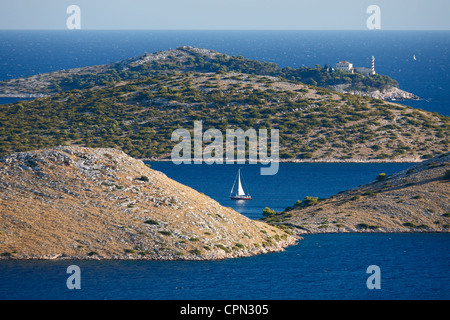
<point>413,200</point>
<point>84,203</point>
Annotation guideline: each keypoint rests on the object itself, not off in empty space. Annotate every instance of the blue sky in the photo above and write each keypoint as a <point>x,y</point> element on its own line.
<point>226,14</point>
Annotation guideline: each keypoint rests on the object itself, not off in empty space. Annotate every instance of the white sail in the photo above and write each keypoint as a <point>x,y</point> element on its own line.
<point>240,189</point>
<point>240,193</point>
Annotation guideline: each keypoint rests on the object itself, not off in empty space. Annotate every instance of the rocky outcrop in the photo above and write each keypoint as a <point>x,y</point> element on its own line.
<point>413,200</point>
<point>393,94</point>
<point>388,94</point>
<point>84,203</point>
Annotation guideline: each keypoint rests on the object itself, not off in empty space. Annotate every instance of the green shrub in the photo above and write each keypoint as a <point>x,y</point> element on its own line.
<point>267,212</point>
<point>150,221</point>
<point>367,226</point>
<point>298,204</point>
<point>223,248</point>
<point>409,224</point>
<point>381,177</point>
<point>310,201</point>
<point>144,178</point>
<point>166,233</point>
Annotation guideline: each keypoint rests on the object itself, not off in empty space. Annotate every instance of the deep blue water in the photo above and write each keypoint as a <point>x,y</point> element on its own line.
<point>323,266</point>
<point>24,53</point>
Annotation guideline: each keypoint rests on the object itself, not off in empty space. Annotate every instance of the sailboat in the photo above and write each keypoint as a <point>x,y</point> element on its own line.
<point>240,193</point>
<point>414,57</point>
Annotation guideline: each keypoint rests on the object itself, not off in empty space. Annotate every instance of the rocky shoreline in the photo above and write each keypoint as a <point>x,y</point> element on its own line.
<point>215,256</point>
<point>323,160</point>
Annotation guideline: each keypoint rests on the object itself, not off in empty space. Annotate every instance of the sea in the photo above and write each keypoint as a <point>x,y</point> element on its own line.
<point>413,266</point>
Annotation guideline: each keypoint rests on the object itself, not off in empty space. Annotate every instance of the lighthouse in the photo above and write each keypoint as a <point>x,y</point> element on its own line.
<point>373,65</point>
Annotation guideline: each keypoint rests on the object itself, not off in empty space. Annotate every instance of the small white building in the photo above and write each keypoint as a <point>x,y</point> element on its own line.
<point>365,71</point>
<point>344,66</point>
<point>348,67</point>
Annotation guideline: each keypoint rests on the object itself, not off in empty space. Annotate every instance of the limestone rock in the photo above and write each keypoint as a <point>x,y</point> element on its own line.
<point>84,203</point>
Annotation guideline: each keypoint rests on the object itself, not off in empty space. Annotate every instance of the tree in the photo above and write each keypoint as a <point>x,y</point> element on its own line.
<point>268,212</point>
<point>310,201</point>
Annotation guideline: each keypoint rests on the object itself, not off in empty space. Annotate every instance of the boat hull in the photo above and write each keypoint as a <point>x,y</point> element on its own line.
<point>241,198</point>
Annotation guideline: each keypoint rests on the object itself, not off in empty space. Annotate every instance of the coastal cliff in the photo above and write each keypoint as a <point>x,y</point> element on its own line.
<point>86,203</point>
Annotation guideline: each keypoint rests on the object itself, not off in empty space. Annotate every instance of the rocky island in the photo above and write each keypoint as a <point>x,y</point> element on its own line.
<point>84,203</point>
<point>190,59</point>
<point>413,200</point>
<point>73,184</point>
<point>135,105</point>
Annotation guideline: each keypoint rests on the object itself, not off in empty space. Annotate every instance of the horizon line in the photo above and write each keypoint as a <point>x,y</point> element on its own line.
<point>335,30</point>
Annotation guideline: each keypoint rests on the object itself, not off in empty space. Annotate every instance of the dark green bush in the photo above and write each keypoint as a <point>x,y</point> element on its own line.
<point>409,224</point>
<point>447,175</point>
<point>267,212</point>
<point>310,201</point>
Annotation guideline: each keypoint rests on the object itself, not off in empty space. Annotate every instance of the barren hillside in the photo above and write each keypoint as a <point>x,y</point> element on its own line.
<point>413,200</point>
<point>84,203</point>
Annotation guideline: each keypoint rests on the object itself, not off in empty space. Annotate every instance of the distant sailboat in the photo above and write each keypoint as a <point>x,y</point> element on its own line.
<point>240,193</point>
<point>414,57</point>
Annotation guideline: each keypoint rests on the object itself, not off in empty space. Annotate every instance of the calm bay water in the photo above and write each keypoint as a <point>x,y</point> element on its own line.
<point>326,266</point>
<point>292,182</point>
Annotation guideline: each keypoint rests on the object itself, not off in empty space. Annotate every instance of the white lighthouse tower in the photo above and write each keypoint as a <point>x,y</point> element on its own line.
<point>373,65</point>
